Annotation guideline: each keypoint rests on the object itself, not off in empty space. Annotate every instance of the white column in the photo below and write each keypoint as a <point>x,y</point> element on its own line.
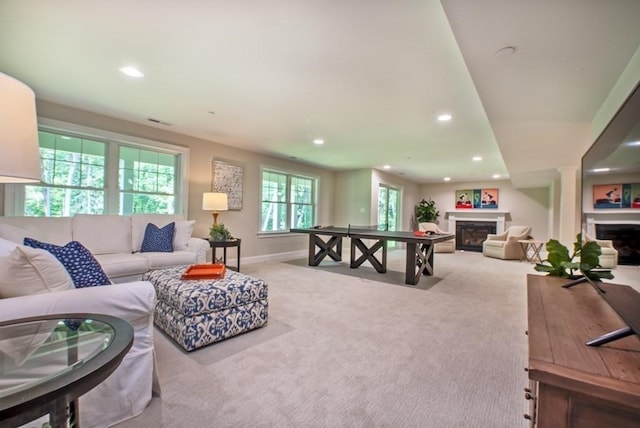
<point>569,223</point>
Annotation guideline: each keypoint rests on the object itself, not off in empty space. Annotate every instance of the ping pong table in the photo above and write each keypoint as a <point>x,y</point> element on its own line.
<point>327,241</point>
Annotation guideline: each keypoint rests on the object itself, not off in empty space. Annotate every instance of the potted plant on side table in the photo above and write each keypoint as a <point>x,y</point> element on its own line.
<point>219,232</point>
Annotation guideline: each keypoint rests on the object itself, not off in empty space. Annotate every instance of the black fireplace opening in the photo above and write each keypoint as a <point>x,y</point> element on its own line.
<point>471,234</point>
<point>626,239</point>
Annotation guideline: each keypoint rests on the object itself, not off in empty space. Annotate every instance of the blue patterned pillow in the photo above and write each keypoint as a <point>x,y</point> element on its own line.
<point>158,240</point>
<point>83,268</point>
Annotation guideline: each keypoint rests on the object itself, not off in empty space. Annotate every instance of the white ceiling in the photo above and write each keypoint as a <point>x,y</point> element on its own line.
<point>368,76</point>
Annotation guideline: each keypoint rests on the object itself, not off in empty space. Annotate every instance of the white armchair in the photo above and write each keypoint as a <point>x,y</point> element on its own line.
<point>609,257</point>
<point>448,246</point>
<point>127,391</point>
<point>505,245</point>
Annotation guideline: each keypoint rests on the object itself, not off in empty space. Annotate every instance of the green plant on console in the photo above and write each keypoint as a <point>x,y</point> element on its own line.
<point>426,211</point>
<point>560,263</point>
<point>219,232</point>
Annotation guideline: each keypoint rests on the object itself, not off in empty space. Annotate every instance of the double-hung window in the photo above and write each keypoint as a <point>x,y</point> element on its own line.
<point>288,201</point>
<point>95,172</point>
<point>73,177</point>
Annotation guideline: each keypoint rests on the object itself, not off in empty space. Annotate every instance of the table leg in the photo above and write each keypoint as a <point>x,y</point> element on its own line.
<point>369,253</point>
<point>324,249</point>
<point>419,261</point>
<point>536,253</point>
<point>238,256</point>
<point>525,251</point>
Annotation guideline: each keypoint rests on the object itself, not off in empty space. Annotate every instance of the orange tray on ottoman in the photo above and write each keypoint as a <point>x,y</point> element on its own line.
<point>208,271</point>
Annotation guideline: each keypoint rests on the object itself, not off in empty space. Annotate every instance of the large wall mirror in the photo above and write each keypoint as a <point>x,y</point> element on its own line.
<point>611,205</point>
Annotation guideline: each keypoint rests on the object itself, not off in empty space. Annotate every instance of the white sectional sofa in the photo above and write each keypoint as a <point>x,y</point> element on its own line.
<point>113,240</point>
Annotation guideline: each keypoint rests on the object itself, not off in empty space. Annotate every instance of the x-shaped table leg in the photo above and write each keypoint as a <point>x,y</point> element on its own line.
<point>324,249</point>
<point>369,253</point>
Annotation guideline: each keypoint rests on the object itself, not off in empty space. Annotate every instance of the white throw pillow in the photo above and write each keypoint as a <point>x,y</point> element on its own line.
<point>27,271</point>
<point>182,234</point>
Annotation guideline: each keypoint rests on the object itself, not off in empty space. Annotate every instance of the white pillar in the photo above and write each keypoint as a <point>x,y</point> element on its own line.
<point>568,225</point>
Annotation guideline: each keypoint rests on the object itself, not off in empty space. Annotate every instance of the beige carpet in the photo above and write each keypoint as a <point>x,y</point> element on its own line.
<point>353,348</point>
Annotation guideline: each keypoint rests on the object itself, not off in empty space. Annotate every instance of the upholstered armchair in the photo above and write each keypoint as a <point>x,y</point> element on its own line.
<point>448,246</point>
<point>505,245</point>
<point>609,257</point>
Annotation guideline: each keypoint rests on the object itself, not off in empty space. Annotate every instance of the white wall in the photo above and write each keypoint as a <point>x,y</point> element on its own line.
<point>529,207</point>
<point>343,197</point>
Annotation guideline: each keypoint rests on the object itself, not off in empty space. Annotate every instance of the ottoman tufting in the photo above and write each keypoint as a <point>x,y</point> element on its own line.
<point>196,313</point>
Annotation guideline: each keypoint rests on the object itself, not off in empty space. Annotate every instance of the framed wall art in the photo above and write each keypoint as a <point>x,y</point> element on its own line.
<point>228,177</point>
<point>477,198</point>
<point>622,195</point>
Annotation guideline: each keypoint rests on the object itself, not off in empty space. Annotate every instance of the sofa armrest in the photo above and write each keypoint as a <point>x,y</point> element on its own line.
<point>200,247</point>
<point>497,236</point>
<point>128,390</point>
<point>132,302</point>
<point>604,243</point>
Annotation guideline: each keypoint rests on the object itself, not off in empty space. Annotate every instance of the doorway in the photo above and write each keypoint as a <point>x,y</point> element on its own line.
<point>388,207</point>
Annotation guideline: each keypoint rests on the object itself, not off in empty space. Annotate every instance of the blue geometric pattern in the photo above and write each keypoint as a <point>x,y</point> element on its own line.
<point>196,313</point>
<point>157,239</point>
<point>83,268</point>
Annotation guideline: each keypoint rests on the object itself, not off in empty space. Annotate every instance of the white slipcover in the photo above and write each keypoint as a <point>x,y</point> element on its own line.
<point>127,392</point>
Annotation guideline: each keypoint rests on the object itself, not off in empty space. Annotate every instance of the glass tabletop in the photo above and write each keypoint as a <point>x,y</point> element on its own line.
<point>34,352</point>
<point>47,361</point>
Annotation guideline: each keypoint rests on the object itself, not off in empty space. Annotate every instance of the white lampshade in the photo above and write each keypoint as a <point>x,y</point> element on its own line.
<point>215,201</point>
<point>19,152</point>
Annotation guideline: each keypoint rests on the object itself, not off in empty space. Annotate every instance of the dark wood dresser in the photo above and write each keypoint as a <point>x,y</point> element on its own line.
<point>571,384</point>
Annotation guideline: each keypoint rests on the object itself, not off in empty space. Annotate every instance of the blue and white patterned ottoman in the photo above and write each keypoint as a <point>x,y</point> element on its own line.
<point>196,313</point>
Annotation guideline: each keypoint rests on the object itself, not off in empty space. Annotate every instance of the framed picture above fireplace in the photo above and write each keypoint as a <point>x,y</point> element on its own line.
<point>477,199</point>
<point>616,196</point>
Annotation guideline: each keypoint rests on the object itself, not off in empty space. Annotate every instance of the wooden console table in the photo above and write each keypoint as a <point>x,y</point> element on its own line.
<point>571,384</point>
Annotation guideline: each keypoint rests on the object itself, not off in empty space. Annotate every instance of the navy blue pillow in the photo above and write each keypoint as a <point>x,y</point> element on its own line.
<point>158,240</point>
<point>83,268</point>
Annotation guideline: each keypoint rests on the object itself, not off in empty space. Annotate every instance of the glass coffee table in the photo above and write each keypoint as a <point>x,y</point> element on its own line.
<point>47,362</point>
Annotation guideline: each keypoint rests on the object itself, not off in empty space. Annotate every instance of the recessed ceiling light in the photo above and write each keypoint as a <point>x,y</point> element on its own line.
<point>318,141</point>
<point>447,179</point>
<point>496,175</point>
<point>131,71</point>
<point>444,118</point>
<point>634,144</point>
<point>601,170</point>
<point>477,158</point>
<point>387,167</point>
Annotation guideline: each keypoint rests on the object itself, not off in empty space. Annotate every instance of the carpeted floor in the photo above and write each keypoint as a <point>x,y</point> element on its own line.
<point>354,348</point>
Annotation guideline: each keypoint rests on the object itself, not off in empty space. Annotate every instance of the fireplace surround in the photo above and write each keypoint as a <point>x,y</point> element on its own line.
<point>471,234</point>
<point>472,226</point>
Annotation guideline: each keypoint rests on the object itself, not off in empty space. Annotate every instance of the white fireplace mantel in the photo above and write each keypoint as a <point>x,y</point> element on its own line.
<point>477,215</point>
<point>609,217</point>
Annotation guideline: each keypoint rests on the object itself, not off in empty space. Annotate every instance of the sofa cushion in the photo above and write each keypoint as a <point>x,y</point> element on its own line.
<point>27,271</point>
<point>56,230</point>
<point>122,265</point>
<point>84,269</point>
<point>103,234</point>
<point>139,224</point>
<point>6,246</point>
<point>158,239</point>
<point>177,258</point>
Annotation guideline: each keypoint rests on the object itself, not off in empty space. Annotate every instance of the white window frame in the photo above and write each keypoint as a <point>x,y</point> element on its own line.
<point>14,194</point>
<point>289,174</point>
